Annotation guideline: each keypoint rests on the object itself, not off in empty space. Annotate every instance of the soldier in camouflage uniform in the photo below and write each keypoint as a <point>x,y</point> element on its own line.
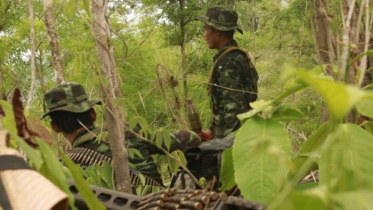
<point>73,115</point>
<point>232,72</point>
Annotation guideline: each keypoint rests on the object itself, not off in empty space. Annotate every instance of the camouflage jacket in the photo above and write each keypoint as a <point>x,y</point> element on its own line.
<point>145,165</point>
<point>232,70</point>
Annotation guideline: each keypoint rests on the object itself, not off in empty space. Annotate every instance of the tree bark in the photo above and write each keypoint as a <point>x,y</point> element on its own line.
<point>323,44</point>
<point>182,46</point>
<point>115,126</point>
<point>2,88</point>
<point>53,42</point>
<point>33,57</point>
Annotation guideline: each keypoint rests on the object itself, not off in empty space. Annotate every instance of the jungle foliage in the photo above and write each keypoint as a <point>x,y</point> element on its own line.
<point>162,59</point>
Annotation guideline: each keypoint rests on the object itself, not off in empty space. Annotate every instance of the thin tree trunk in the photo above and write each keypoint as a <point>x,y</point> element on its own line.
<point>2,88</point>
<point>110,93</point>
<point>182,45</point>
<point>323,45</point>
<point>33,57</point>
<point>53,41</point>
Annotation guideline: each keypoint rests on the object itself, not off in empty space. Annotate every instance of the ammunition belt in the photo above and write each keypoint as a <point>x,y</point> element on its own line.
<point>88,157</point>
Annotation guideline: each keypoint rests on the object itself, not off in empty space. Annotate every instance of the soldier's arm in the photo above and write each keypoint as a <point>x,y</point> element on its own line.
<point>179,141</point>
<point>234,101</point>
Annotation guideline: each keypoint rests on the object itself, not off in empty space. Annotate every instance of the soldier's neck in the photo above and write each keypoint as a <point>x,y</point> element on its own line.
<point>71,136</point>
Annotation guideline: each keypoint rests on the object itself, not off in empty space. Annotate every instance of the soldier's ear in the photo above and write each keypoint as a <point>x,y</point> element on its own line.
<point>55,127</point>
<point>93,114</point>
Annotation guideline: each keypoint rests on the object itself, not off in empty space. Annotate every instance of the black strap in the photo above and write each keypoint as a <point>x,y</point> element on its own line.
<point>4,201</point>
<point>11,162</point>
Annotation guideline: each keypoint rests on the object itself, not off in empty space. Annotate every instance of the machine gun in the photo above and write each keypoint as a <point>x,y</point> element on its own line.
<point>166,199</point>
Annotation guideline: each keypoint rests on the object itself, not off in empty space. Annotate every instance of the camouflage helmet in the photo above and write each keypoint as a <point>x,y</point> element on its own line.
<point>221,18</point>
<point>69,97</point>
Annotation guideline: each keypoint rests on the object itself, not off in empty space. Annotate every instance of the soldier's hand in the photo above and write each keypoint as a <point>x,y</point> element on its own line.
<point>206,135</point>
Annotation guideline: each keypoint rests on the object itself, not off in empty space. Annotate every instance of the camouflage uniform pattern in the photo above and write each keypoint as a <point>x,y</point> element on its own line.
<point>221,18</point>
<point>145,165</point>
<point>232,70</point>
<point>71,97</point>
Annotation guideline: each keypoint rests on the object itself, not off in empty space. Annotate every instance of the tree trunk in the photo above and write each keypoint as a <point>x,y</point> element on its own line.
<point>2,88</point>
<point>323,44</point>
<point>53,41</point>
<point>182,45</point>
<point>115,124</point>
<point>33,57</point>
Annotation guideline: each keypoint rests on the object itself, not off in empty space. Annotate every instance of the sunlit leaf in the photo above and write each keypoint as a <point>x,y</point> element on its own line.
<point>227,171</point>
<point>54,169</point>
<point>358,199</point>
<point>312,147</point>
<point>339,98</point>
<point>84,191</point>
<point>347,153</point>
<point>310,199</point>
<point>167,139</point>
<point>365,107</point>
<point>286,112</point>
<point>261,155</point>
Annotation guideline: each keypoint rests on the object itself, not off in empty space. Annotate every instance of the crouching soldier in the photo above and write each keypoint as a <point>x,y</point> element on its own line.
<point>73,115</point>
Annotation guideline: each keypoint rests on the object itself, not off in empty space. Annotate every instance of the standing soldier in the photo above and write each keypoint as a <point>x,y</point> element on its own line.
<point>233,78</point>
<point>73,115</point>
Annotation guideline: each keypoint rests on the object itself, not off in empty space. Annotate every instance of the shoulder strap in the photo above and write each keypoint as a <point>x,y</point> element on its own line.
<point>11,162</point>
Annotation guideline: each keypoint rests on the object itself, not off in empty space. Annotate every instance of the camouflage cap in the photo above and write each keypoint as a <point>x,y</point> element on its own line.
<point>221,18</point>
<point>70,97</point>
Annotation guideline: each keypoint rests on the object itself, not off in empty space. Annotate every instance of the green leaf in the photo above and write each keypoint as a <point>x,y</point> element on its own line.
<point>347,153</point>
<point>8,122</point>
<point>158,138</point>
<point>71,8</point>
<point>54,169</point>
<point>133,152</point>
<point>87,9</point>
<point>310,199</point>
<point>133,122</point>
<point>259,106</point>
<point>368,126</point>
<point>142,179</point>
<point>285,112</point>
<point>32,154</point>
<point>227,171</point>
<point>84,191</point>
<point>174,165</point>
<point>365,107</point>
<point>358,199</point>
<point>166,139</point>
<point>108,174</point>
<point>311,148</point>
<point>339,98</point>
<point>143,123</point>
<point>261,155</point>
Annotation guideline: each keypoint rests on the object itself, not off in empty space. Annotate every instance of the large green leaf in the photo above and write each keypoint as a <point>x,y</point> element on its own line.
<point>310,199</point>
<point>365,107</point>
<point>358,199</point>
<point>227,171</point>
<point>286,112</point>
<point>339,98</point>
<point>261,154</point>
<point>347,158</point>
<point>311,148</point>
<point>84,191</point>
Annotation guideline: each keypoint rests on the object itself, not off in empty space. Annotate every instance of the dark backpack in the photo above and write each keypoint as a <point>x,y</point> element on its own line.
<point>205,160</point>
